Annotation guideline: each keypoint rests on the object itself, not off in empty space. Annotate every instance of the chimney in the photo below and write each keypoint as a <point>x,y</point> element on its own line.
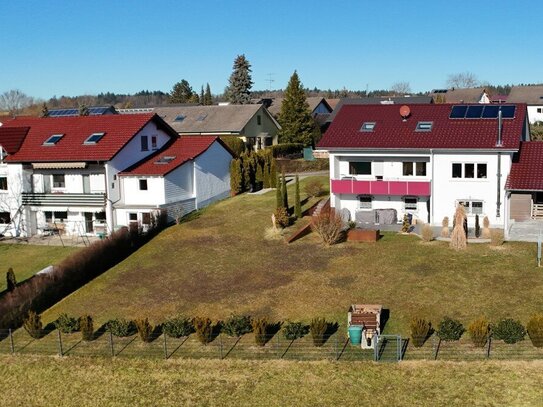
<point>499,140</point>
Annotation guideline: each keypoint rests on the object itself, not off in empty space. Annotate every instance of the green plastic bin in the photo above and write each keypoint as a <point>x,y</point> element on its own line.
<point>355,334</point>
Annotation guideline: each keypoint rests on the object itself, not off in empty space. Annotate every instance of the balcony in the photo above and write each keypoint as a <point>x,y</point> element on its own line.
<point>42,199</point>
<point>393,188</point>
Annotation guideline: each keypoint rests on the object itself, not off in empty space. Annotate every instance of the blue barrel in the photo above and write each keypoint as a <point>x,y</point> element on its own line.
<point>355,334</point>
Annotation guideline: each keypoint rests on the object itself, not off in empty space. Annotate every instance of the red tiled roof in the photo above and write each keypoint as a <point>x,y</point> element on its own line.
<point>12,137</point>
<point>392,132</point>
<point>118,129</point>
<point>183,149</point>
<point>527,168</point>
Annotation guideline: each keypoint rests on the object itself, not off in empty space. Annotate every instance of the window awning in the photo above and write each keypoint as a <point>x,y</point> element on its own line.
<point>54,166</point>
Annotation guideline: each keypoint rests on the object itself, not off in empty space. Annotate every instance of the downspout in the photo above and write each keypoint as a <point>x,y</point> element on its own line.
<point>499,174</point>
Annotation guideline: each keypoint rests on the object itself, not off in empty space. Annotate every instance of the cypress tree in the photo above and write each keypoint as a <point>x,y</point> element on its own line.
<point>246,173</point>
<point>284,192</point>
<point>297,125</point>
<point>11,281</point>
<point>240,83</point>
<point>235,177</point>
<point>273,174</point>
<point>202,96</point>
<point>266,175</point>
<point>297,202</point>
<point>259,175</point>
<point>208,99</point>
<point>278,195</point>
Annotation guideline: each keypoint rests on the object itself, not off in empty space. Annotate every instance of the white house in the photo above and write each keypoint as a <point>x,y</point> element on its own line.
<point>187,174</point>
<point>423,160</point>
<point>531,95</point>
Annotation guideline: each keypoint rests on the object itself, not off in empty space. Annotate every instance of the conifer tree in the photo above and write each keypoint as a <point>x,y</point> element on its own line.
<point>297,125</point>
<point>273,174</point>
<point>278,194</point>
<point>259,174</point>
<point>235,177</point>
<point>297,202</point>
<point>284,192</point>
<point>208,99</point>
<point>266,175</point>
<point>83,110</point>
<point>44,110</point>
<point>202,97</point>
<point>11,281</point>
<point>181,92</point>
<point>246,173</point>
<point>194,98</point>
<point>240,83</point>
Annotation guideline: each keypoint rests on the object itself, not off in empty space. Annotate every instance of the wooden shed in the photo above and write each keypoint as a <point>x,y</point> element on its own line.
<point>368,316</point>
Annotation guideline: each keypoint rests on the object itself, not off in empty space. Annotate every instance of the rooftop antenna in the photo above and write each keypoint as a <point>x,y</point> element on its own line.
<point>270,80</point>
<point>367,90</point>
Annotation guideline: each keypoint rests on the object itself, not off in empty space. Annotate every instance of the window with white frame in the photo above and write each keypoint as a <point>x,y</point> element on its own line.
<point>417,168</point>
<point>3,183</point>
<point>59,181</point>
<point>144,143</point>
<point>469,170</point>
<point>364,201</point>
<point>473,207</point>
<point>154,145</point>
<point>410,203</point>
<point>360,167</point>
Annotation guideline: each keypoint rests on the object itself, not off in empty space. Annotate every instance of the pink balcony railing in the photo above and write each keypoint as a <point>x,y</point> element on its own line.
<point>394,188</point>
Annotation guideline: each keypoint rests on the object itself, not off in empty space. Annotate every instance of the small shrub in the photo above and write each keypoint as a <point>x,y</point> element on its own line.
<point>445,227</point>
<point>11,281</point>
<point>427,233</point>
<point>318,328</point>
<point>420,330</point>
<point>405,224</point>
<point>486,228</point>
<point>145,329</point>
<point>178,327</point>
<point>496,237</point>
<point>314,188</point>
<point>329,226</point>
<point>450,329</point>
<point>260,329</point>
<point>204,329</point>
<point>66,324</point>
<point>86,326</point>
<point>509,331</point>
<point>281,217</point>
<point>479,331</point>
<point>237,325</point>
<point>477,226</point>
<point>295,330</point>
<point>121,327</point>
<point>352,224</point>
<point>287,149</point>
<point>33,325</point>
<point>535,330</point>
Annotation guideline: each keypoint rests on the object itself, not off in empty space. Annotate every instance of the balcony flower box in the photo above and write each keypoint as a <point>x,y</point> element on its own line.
<point>363,235</point>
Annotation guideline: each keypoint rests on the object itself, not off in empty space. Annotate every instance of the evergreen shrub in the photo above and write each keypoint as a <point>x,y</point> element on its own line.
<point>450,329</point>
<point>67,324</point>
<point>295,330</point>
<point>121,327</point>
<point>178,327</point>
<point>237,325</point>
<point>11,281</point>
<point>509,331</point>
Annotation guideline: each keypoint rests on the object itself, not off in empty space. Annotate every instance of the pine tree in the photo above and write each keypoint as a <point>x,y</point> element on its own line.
<point>202,97</point>
<point>278,194</point>
<point>208,99</point>
<point>240,83</point>
<point>44,110</point>
<point>284,192</point>
<point>181,92</point>
<point>11,281</point>
<point>297,202</point>
<point>194,99</point>
<point>84,110</point>
<point>297,125</point>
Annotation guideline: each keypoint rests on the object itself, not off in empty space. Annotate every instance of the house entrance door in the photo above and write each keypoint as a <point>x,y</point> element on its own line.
<point>89,226</point>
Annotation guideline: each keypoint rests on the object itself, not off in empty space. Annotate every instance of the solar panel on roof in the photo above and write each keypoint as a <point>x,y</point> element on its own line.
<point>490,112</point>
<point>458,112</point>
<point>474,112</point>
<point>508,112</point>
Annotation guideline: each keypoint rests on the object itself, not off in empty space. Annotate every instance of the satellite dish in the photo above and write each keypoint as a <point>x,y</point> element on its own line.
<point>405,111</point>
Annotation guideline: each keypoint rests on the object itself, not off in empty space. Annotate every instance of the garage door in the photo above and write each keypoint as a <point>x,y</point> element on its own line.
<point>521,207</point>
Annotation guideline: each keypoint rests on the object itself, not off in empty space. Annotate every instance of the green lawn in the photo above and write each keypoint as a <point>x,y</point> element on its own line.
<point>26,260</point>
<point>79,381</point>
<point>220,263</point>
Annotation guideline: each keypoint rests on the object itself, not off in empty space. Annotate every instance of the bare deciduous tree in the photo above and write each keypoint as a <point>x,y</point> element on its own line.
<point>14,101</point>
<point>463,80</point>
<point>401,88</point>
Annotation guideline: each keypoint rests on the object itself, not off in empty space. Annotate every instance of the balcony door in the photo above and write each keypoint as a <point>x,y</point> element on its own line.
<point>89,225</point>
<point>86,184</point>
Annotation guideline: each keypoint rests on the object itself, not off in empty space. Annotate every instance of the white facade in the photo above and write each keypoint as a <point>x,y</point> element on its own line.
<point>535,113</point>
<point>426,184</point>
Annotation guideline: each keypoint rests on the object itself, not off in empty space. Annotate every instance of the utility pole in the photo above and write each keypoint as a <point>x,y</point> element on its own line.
<point>270,80</point>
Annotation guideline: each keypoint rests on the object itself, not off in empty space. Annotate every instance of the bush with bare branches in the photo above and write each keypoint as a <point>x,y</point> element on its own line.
<point>329,226</point>
<point>458,236</point>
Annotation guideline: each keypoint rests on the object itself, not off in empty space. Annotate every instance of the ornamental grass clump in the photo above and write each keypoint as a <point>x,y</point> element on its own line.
<point>204,329</point>
<point>427,233</point>
<point>121,327</point>
<point>486,228</point>
<point>295,330</point>
<point>329,226</point>
<point>450,329</point>
<point>145,329</point>
<point>509,330</point>
<point>479,332</point>
<point>260,329</point>
<point>420,331</point>
<point>318,328</point>
<point>237,325</point>
<point>445,227</point>
<point>459,240</point>
<point>178,327</point>
<point>496,237</point>
<point>86,325</point>
<point>535,330</point>
<point>66,324</point>
<point>32,324</point>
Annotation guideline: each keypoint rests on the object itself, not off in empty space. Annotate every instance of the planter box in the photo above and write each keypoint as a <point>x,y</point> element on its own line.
<point>363,235</point>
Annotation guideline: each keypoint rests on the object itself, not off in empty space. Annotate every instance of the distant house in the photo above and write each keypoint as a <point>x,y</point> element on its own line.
<point>317,105</point>
<point>461,95</point>
<point>189,173</point>
<point>252,123</point>
<point>531,95</point>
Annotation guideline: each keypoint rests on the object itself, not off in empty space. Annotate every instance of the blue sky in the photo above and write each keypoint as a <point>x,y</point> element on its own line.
<point>80,47</point>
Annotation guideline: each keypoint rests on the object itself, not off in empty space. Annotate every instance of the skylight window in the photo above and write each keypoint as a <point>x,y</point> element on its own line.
<point>179,118</point>
<point>367,126</point>
<point>51,141</point>
<point>424,126</point>
<point>165,160</point>
<point>94,138</point>
<point>201,118</point>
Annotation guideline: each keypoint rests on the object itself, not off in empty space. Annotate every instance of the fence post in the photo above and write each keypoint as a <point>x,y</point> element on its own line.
<point>165,346</point>
<point>400,344</point>
<point>11,344</point>
<point>111,343</point>
<point>60,350</point>
<point>488,349</point>
<point>376,349</point>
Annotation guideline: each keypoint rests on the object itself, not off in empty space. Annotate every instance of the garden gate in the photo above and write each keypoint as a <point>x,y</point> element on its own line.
<point>389,348</point>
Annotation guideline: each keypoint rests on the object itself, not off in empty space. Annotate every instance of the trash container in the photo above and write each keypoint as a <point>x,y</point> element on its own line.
<point>355,334</point>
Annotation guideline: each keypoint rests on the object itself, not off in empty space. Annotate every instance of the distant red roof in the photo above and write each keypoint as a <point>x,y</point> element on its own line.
<point>180,150</point>
<point>391,131</point>
<point>527,168</point>
<point>11,138</point>
<point>118,129</point>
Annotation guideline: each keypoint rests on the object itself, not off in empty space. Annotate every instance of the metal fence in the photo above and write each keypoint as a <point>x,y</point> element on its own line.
<point>390,348</point>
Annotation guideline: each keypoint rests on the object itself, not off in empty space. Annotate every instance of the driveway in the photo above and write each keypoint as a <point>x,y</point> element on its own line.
<point>527,231</point>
